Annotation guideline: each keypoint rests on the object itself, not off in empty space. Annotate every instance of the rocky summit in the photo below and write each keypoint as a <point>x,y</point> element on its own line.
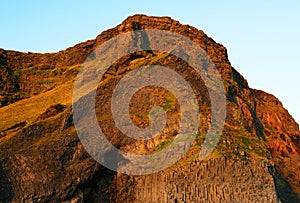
<point>42,159</point>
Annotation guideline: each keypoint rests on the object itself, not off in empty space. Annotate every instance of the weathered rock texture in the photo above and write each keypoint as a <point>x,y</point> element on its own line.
<point>215,180</point>
<point>42,159</point>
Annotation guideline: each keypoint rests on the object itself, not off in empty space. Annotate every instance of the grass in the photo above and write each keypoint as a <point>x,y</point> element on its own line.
<point>29,109</point>
<point>241,146</point>
<point>47,81</point>
<point>168,104</point>
<point>142,61</point>
<point>163,144</point>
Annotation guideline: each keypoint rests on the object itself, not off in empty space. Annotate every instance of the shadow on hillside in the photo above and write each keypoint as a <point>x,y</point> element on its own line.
<point>6,189</point>
<point>283,188</point>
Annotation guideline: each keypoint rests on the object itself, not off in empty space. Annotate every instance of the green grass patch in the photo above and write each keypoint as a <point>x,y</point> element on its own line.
<point>163,144</point>
<point>47,81</point>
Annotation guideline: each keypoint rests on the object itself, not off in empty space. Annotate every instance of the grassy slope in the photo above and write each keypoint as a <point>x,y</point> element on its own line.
<point>29,109</point>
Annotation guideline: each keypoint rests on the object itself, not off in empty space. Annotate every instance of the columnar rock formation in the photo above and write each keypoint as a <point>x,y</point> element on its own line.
<point>42,159</point>
<point>215,180</point>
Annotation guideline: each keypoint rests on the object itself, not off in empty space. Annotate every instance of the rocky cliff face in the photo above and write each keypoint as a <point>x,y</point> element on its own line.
<point>42,159</point>
<point>215,180</point>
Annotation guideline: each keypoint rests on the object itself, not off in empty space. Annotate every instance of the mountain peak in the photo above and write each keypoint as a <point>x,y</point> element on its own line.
<point>42,158</point>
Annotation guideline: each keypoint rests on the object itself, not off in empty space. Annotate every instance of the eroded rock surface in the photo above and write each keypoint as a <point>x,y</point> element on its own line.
<point>42,159</point>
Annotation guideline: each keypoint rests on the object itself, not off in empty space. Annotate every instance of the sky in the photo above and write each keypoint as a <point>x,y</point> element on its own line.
<point>262,37</point>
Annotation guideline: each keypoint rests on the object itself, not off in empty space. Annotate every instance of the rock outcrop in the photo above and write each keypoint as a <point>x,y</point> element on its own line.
<point>42,159</point>
<point>216,180</point>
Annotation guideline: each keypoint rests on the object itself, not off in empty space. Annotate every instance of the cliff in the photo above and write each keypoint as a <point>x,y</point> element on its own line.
<point>43,160</point>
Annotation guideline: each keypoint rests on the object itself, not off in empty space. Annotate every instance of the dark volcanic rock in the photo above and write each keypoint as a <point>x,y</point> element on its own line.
<point>42,160</point>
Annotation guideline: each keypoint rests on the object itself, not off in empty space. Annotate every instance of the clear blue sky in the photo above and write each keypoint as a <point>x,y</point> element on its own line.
<point>262,36</point>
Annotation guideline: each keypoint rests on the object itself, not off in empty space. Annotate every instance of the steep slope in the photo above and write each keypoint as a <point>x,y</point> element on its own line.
<point>42,159</point>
